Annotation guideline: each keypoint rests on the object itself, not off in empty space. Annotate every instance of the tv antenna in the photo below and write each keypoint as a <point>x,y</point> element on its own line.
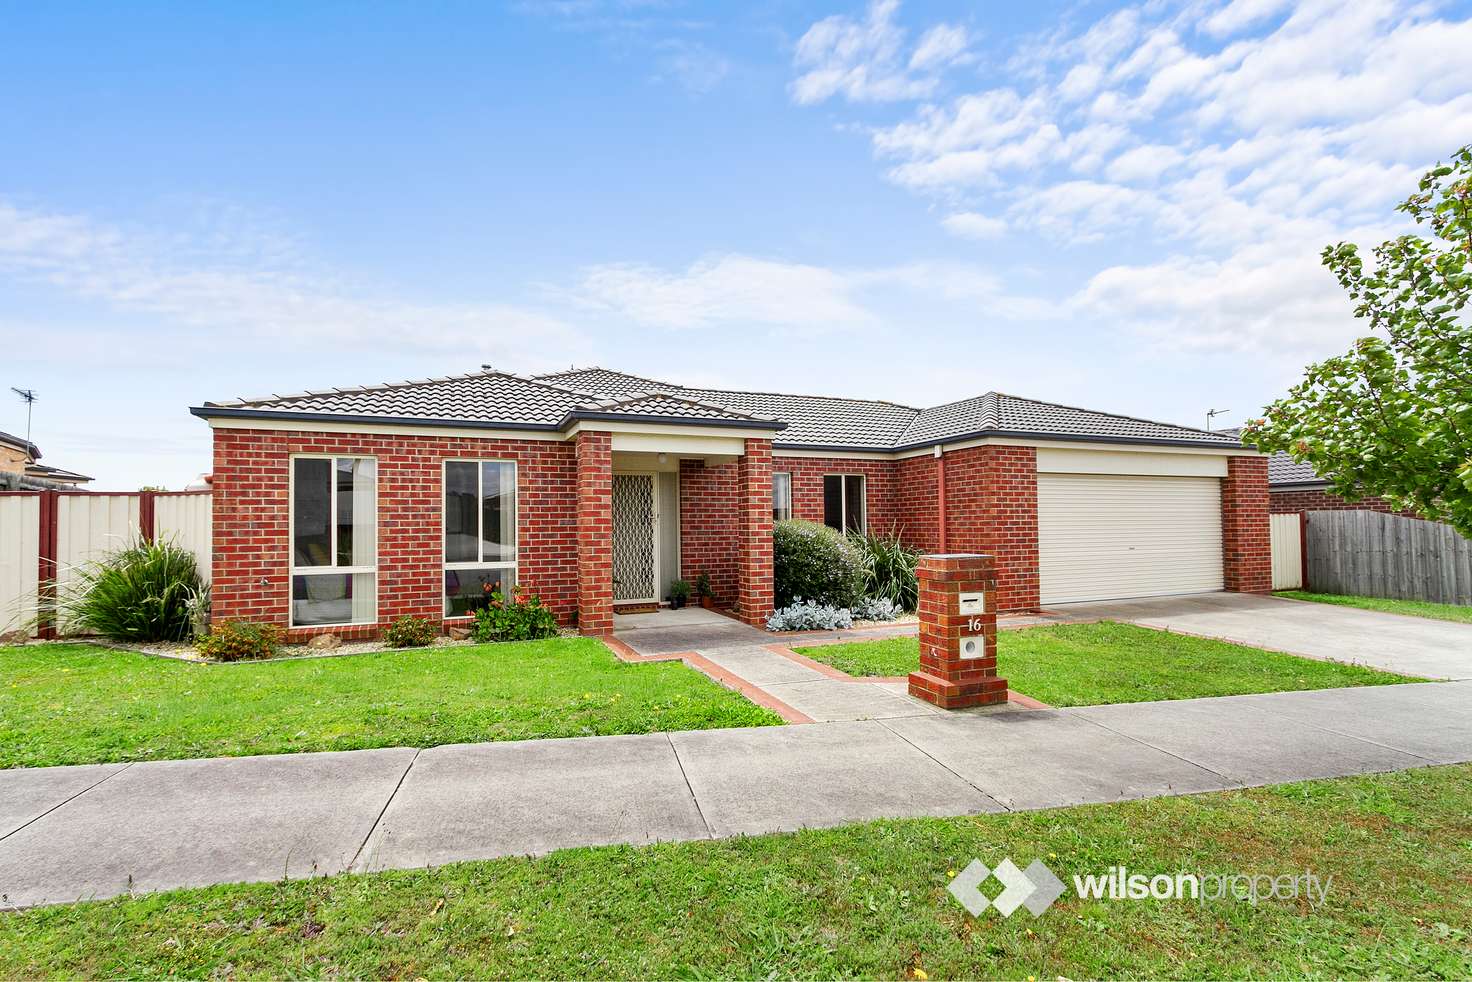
<point>1212,414</point>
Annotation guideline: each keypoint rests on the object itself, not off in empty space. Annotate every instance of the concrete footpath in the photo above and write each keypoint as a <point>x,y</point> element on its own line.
<point>70,833</point>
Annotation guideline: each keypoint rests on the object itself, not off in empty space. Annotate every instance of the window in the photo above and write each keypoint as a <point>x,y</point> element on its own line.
<point>480,533</point>
<point>334,540</point>
<point>843,502</point>
<point>781,496</point>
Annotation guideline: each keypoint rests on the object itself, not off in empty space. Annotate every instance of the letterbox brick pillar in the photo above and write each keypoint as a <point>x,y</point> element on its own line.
<point>595,533</point>
<point>951,676</point>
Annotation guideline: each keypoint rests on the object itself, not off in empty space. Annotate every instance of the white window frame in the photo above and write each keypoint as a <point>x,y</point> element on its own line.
<point>788,509</point>
<point>863,528</point>
<point>480,480</point>
<point>296,570</point>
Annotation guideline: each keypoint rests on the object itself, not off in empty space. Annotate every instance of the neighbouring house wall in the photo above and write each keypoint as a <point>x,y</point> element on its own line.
<point>12,460</point>
<point>992,508</point>
<point>1247,552</point>
<point>1322,499</point>
<point>251,520</point>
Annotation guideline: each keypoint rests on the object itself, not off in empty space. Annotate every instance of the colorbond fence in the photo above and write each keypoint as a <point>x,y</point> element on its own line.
<point>46,535</point>
<point>1287,540</point>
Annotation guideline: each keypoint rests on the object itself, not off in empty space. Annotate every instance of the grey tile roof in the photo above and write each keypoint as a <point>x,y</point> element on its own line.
<point>664,405</point>
<point>483,397</point>
<point>551,401</point>
<point>1283,469</point>
<point>1014,415</point>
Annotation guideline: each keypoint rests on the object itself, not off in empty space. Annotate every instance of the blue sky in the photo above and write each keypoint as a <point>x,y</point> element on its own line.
<point>1116,206</point>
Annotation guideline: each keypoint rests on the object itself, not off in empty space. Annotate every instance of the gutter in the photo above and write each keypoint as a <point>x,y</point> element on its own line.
<point>226,412</point>
<point>1015,435</point>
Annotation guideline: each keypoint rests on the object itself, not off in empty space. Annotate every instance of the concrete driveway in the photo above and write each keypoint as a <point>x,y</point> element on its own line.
<point>1392,642</point>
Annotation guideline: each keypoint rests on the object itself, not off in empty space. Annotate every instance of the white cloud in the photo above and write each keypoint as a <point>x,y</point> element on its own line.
<point>213,288</point>
<point>726,290</point>
<point>1144,163</point>
<point>1210,136</point>
<point>863,60</point>
<point>942,45</point>
<point>749,291</point>
<point>973,225</point>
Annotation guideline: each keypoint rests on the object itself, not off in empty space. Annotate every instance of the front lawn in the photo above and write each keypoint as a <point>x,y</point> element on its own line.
<point>865,901</point>
<point>1093,664</point>
<point>79,704</point>
<point>1411,608</point>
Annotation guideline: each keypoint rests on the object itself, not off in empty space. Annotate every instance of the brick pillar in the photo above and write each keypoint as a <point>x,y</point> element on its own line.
<point>754,534</point>
<point>1247,555</point>
<point>958,649</point>
<point>595,532</point>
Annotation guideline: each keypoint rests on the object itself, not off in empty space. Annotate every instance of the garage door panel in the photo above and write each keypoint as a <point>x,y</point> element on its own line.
<point>1103,537</point>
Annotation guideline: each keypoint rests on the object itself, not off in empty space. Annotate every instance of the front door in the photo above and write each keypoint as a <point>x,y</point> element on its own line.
<point>635,535</point>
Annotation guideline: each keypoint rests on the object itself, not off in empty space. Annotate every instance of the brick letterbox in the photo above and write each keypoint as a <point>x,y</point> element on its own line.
<point>958,633</point>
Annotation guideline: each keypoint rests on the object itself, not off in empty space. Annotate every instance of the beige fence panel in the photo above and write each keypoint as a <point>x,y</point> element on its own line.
<point>1287,551</point>
<point>20,547</point>
<point>88,527</point>
<point>184,519</point>
<point>1370,554</point>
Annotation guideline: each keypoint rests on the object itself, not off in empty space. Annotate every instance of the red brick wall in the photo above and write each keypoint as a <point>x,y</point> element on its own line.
<point>917,502</point>
<point>251,569</point>
<point>1247,558</point>
<point>1319,499</point>
<point>754,561</point>
<point>807,487</point>
<point>594,454</point>
<point>992,507</point>
<point>709,532</point>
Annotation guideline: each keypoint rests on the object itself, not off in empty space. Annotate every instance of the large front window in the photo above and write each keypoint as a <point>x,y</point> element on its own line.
<point>480,533</point>
<point>334,541</point>
<point>843,502</point>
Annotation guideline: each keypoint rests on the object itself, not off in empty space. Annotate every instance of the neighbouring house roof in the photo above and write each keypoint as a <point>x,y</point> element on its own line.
<point>555,401</point>
<point>1283,470</point>
<point>22,444</point>
<point>56,474</point>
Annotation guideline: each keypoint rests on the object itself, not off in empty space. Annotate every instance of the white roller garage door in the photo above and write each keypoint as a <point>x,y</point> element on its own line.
<point>1112,536</point>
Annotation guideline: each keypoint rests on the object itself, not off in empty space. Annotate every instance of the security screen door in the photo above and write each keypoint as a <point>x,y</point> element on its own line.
<point>635,521</point>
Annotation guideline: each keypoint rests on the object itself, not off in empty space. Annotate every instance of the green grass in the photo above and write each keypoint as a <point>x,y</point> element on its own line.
<point>1411,608</point>
<point>75,704</point>
<point>865,901</point>
<point>1094,664</point>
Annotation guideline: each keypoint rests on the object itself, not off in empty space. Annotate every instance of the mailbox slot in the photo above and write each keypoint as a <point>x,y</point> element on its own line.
<point>971,603</point>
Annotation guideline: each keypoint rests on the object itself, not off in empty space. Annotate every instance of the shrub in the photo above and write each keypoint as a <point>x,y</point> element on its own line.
<point>148,591</point>
<point>521,618</point>
<point>812,560</point>
<point>875,609</point>
<point>702,585</point>
<point>809,616</point>
<point>410,632</point>
<point>889,570</point>
<point>239,640</point>
<point>679,592</point>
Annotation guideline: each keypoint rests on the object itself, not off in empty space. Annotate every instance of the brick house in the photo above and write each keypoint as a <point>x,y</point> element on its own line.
<point>1294,487</point>
<point>343,510</point>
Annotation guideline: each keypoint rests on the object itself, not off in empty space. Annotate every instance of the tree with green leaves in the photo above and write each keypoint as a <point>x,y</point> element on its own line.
<point>1393,416</point>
